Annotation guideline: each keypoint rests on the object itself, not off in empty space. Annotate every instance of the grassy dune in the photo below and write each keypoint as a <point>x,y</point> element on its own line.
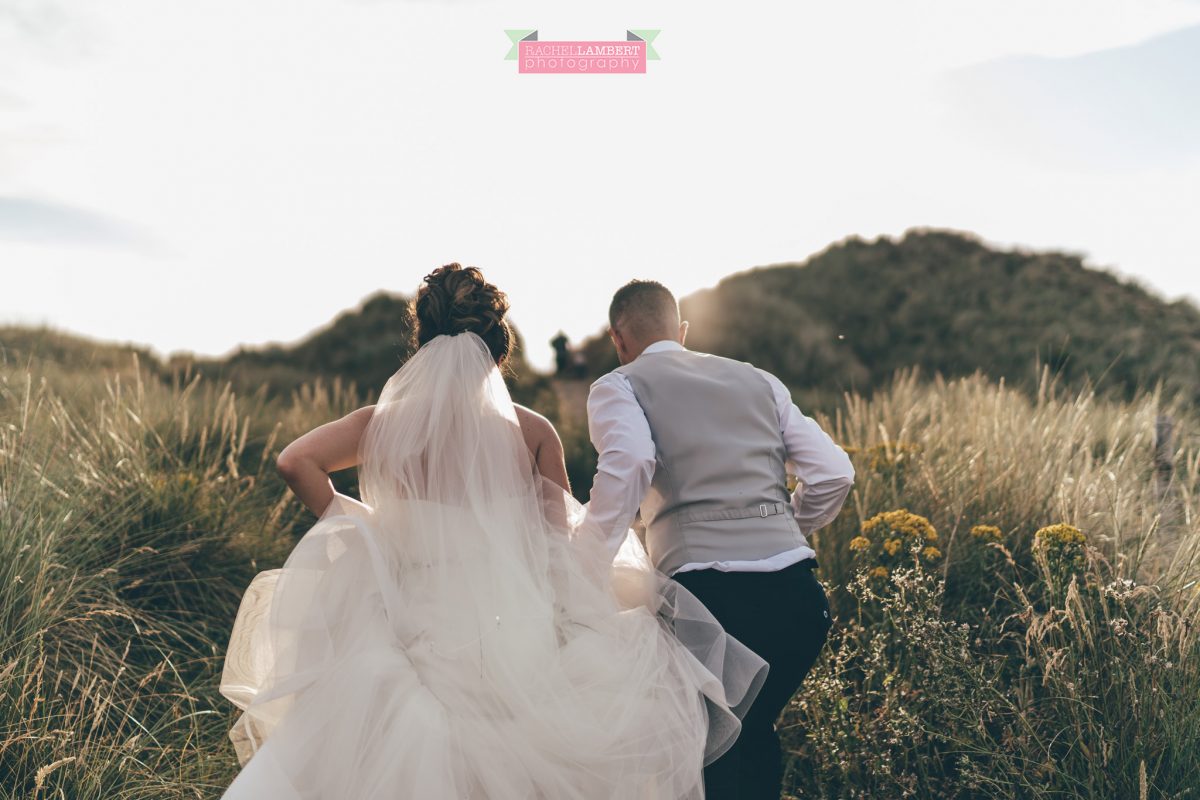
<point>132,516</point>
<point>1005,663</point>
<point>1017,596</point>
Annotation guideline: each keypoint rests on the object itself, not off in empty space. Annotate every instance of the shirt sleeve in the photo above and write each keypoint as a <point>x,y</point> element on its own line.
<point>625,468</point>
<point>824,469</point>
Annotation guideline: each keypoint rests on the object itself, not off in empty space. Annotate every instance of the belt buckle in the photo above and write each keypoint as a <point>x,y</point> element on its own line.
<point>762,510</point>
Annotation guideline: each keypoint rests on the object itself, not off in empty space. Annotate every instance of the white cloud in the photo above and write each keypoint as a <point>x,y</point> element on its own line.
<point>24,219</point>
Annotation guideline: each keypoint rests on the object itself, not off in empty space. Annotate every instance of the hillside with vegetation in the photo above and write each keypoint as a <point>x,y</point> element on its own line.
<point>850,316</point>
<point>359,350</point>
<point>361,347</point>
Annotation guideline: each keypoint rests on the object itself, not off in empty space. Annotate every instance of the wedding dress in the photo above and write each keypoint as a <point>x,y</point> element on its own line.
<point>461,632</point>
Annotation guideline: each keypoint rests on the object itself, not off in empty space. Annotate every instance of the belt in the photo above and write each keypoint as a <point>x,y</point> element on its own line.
<point>760,510</point>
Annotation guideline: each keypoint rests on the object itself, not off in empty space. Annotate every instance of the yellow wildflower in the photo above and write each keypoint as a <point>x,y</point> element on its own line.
<point>860,543</point>
<point>892,546</point>
<point>1061,534</point>
<point>902,523</point>
<point>932,553</point>
<point>989,533</point>
<point>879,572</point>
<point>1061,549</point>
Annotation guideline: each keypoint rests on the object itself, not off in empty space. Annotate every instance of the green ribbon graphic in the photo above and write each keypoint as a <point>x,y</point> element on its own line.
<point>516,37</point>
<point>646,35</point>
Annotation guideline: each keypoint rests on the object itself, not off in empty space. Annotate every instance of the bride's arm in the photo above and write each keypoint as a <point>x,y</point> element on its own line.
<point>305,464</point>
<point>545,446</point>
<point>543,442</point>
<point>551,462</point>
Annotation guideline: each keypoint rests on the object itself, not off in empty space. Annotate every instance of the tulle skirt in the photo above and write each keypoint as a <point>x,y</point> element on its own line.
<point>407,651</point>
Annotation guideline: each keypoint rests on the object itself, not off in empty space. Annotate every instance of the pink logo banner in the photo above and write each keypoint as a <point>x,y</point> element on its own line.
<point>593,56</point>
<point>606,57</point>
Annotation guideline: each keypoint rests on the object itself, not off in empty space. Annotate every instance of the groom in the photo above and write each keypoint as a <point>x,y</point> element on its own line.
<point>701,444</point>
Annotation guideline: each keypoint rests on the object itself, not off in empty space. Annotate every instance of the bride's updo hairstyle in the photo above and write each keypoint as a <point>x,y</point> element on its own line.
<point>456,299</point>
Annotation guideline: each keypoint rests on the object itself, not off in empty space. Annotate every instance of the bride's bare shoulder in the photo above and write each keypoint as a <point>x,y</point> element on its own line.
<point>537,429</point>
<point>531,420</point>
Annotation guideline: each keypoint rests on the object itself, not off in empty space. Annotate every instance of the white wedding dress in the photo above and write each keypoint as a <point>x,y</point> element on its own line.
<point>460,633</point>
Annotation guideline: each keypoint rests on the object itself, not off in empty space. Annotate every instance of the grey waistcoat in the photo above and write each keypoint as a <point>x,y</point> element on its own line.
<point>719,491</point>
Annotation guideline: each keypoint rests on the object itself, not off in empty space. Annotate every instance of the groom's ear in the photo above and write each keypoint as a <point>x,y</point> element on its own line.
<point>618,344</point>
<point>683,329</point>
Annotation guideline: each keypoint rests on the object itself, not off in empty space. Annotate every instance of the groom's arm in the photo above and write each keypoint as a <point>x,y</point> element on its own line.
<point>823,468</point>
<point>621,436</point>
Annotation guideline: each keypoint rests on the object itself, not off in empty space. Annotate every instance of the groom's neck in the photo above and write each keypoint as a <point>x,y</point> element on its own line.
<point>642,347</point>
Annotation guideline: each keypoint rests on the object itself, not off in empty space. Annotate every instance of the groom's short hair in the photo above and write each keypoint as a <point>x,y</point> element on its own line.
<point>644,308</point>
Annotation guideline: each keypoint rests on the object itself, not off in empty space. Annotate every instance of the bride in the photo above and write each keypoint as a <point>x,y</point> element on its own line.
<point>460,632</point>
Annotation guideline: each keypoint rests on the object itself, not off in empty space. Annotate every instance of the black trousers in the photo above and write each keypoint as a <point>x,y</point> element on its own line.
<point>784,617</point>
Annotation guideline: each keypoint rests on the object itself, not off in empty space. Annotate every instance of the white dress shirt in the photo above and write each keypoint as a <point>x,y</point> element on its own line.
<point>621,435</point>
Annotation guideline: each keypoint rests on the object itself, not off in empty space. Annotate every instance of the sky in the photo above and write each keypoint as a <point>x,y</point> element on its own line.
<point>198,175</point>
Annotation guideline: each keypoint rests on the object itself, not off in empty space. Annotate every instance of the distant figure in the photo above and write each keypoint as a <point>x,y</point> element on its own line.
<point>568,361</point>
<point>562,354</point>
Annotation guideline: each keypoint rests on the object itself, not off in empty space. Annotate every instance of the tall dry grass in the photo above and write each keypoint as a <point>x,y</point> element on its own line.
<point>133,514</point>
<point>1018,662</point>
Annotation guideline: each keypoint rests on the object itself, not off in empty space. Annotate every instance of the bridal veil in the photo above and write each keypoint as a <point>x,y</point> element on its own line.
<point>461,632</point>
